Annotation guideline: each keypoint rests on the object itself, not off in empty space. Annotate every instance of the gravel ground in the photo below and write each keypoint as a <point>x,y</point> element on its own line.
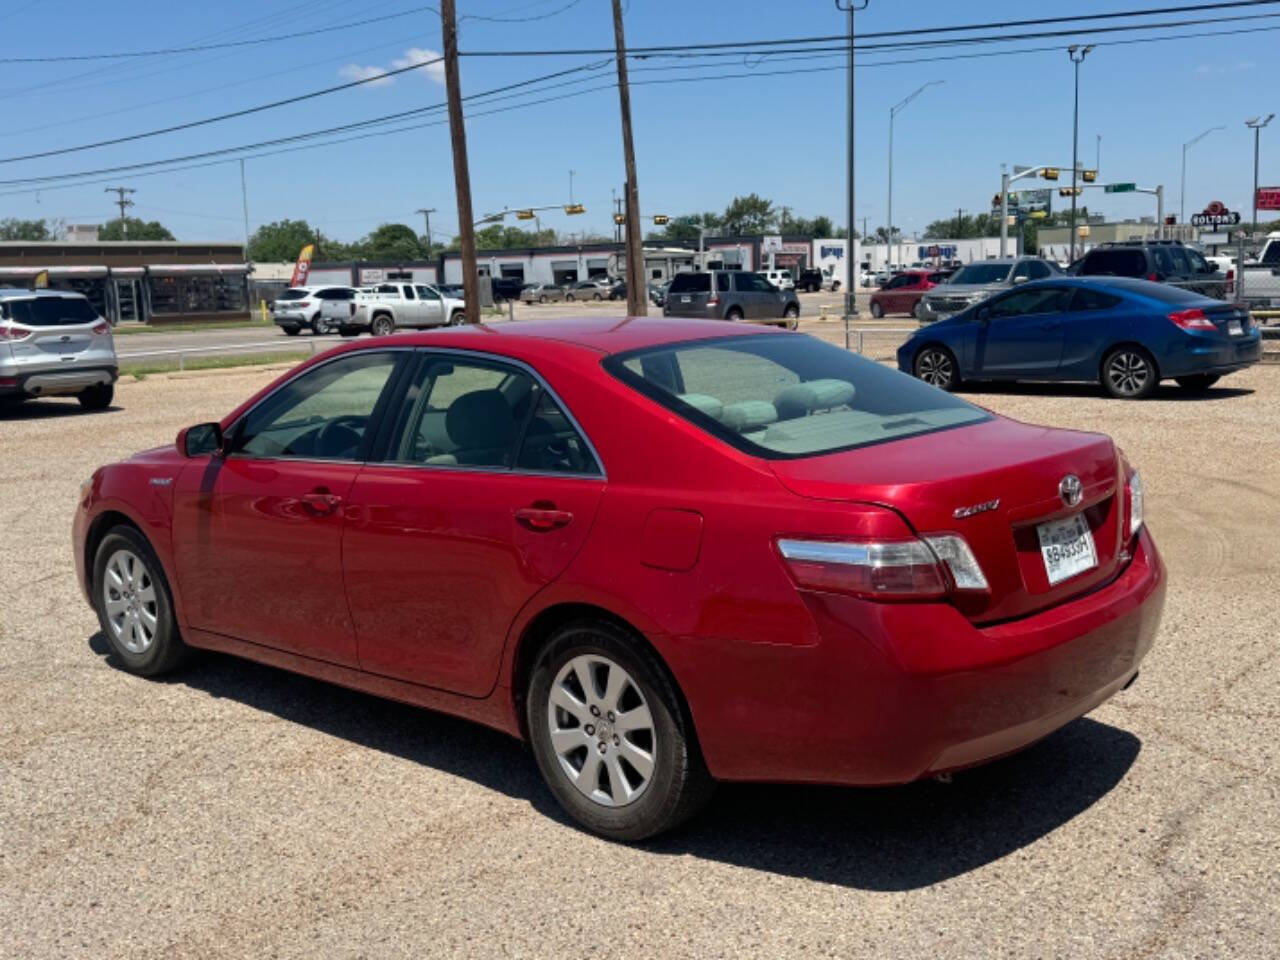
<point>236,810</point>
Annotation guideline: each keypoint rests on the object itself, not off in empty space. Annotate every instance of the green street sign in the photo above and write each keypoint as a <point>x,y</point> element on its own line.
<point>1120,188</point>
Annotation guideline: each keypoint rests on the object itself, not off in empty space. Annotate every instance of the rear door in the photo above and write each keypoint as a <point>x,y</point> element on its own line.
<point>1022,334</point>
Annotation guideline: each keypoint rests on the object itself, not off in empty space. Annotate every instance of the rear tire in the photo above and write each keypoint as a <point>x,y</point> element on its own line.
<point>97,397</point>
<point>734,314</point>
<point>1129,373</point>
<point>291,331</point>
<point>1197,383</point>
<point>542,298</point>
<point>382,326</point>
<point>937,366</point>
<point>134,604</point>
<point>634,713</point>
<point>877,311</point>
<point>318,326</point>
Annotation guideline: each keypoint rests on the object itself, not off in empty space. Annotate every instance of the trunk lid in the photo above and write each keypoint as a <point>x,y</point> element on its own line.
<point>928,478</point>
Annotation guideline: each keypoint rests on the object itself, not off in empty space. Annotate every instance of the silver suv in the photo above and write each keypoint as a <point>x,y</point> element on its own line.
<point>974,283</point>
<point>730,295</point>
<point>54,343</point>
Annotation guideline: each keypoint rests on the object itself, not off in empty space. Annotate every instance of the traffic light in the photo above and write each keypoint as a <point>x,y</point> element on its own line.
<point>1049,173</point>
<point>1070,191</point>
<point>1170,221</point>
<point>524,214</point>
<point>619,218</point>
<point>1088,176</point>
<point>573,208</point>
<point>661,219</point>
<point>995,201</point>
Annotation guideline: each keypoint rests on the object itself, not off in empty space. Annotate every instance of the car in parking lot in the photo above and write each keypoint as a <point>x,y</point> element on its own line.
<point>589,290</point>
<point>53,343</point>
<point>319,309</point>
<point>506,288</point>
<point>730,295</point>
<point>1126,334</point>
<point>658,292</point>
<point>781,279</point>
<point>903,293</point>
<point>1162,261</point>
<point>834,573</point>
<point>978,281</point>
<point>541,293</point>
<point>398,306</point>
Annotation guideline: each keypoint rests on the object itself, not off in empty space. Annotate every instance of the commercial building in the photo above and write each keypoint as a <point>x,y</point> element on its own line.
<point>150,281</point>
<point>1055,242</point>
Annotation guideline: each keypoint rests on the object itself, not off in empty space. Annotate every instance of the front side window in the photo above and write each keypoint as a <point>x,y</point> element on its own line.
<point>324,414</point>
<point>1034,301</point>
<point>1038,269</point>
<point>426,293</point>
<point>784,396</point>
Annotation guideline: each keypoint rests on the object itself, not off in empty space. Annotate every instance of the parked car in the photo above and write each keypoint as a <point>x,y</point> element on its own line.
<point>814,279</point>
<point>53,343</point>
<point>1261,281</point>
<point>618,289</point>
<point>1162,261</point>
<point>1126,334</point>
<point>541,293</point>
<point>393,306</point>
<point>454,290</point>
<point>589,290</point>
<point>833,573</point>
<point>781,279</point>
<point>730,295</point>
<point>506,288</point>
<point>902,294</point>
<point>318,308</point>
<point>978,281</point>
<point>658,293</point>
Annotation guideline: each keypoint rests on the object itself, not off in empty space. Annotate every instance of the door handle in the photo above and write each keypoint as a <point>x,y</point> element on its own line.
<point>542,519</point>
<point>321,502</point>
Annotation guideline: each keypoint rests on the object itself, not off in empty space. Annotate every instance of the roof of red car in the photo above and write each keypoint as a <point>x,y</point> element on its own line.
<point>601,334</point>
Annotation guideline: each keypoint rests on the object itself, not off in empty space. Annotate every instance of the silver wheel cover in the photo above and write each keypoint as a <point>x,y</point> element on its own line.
<point>129,600</point>
<point>935,368</point>
<point>1128,372</point>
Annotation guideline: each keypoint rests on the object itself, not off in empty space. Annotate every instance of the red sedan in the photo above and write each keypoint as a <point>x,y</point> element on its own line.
<point>665,552</point>
<point>903,292</point>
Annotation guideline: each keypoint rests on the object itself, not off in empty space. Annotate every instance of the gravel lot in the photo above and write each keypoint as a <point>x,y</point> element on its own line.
<point>236,810</point>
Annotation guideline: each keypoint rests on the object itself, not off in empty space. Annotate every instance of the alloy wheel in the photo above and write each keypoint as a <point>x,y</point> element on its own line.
<point>129,599</point>
<point>602,730</point>
<point>935,367</point>
<point>1128,373</point>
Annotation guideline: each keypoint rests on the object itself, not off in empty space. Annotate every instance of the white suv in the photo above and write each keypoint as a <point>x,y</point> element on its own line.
<point>54,343</point>
<point>321,309</point>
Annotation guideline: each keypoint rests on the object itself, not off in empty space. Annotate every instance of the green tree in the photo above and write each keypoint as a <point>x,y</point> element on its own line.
<point>393,241</point>
<point>282,241</point>
<point>138,230</point>
<point>29,230</point>
<point>749,214</point>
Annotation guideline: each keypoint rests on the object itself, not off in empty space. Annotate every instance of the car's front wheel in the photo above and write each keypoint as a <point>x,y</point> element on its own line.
<point>877,311</point>
<point>98,397</point>
<point>1129,373</point>
<point>291,331</point>
<point>134,605</point>
<point>318,326</point>
<point>382,325</point>
<point>457,318</point>
<point>610,735</point>
<point>1197,383</point>
<point>937,366</point>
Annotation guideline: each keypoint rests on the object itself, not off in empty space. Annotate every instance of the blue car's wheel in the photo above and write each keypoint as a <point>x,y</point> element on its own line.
<point>937,366</point>
<point>1129,373</point>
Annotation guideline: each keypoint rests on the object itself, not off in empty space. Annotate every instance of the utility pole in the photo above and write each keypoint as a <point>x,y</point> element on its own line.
<point>850,279</point>
<point>426,217</point>
<point>244,202</point>
<point>637,302</point>
<point>613,206</point>
<point>123,203</point>
<point>461,173</point>
<point>1097,157</point>
<point>959,224</point>
<point>1256,124</point>
<point>1075,144</point>
<point>571,187</point>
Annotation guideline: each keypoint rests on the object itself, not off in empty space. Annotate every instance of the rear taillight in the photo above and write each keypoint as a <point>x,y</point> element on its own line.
<point>101,328</point>
<point>1153,277</point>
<point>713,300</point>
<point>14,333</point>
<point>1193,319</point>
<point>875,569</point>
<point>1231,281</point>
<point>304,305</point>
<point>1134,489</point>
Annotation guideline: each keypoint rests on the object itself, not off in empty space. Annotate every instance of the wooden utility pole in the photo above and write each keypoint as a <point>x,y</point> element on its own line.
<point>637,301</point>
<point>461,173</point>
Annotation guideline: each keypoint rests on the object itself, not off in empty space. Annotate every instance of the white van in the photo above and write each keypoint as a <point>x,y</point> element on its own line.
<point>782,279</point>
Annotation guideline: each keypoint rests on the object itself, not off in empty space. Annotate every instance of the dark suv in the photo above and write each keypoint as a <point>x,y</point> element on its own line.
<point>506,288</point>
<point>1164,261</point>
<point>731,295</point>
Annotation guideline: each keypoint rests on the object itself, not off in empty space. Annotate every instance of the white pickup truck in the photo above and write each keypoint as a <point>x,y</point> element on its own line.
<point>388,306</point>
<point>1260,288</point>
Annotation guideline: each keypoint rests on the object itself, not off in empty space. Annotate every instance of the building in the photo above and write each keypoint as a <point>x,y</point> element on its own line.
<point>150,281</point>
<point>82,233</point>
<point>1054,243</point>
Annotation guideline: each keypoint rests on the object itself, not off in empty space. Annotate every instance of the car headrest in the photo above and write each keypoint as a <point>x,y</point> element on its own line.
<point>480,420</point>
<point>802,398</point>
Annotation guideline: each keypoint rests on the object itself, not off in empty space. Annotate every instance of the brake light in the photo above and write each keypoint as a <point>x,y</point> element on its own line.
<point>14,333</point>
<point>1193,319</point>
<point>1134,488</point>
<point>1231,281</point>
<point>101,328</point>
<point>1153,277</point>
<point>713,300</point>
<point>875,569</point>
<point>305,304</point>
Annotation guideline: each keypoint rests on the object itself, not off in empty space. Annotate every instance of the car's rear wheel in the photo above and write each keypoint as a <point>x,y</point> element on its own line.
<point>382,325</point>
<point>542,298</point>
<point>457,318</point>
<point>610,734</point>
<point>596,296</point>
<point>97,397</point>
<point>134,605</point>
<point>937,366</point>
<point>1197,383</point>
<point>569,297</point>
<point>291,331</point>
<point>734,314</point>
<point>1129,373</point>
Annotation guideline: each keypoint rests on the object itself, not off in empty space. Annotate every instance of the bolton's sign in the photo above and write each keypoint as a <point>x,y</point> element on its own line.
<point>1215,215</point>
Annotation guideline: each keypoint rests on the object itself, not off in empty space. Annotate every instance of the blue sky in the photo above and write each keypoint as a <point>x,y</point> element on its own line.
<point>698,143</point>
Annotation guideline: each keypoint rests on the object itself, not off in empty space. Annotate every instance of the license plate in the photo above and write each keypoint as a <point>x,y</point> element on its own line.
<point>1067,548</point>
<point>685,299</point>
<point>1235,328</point>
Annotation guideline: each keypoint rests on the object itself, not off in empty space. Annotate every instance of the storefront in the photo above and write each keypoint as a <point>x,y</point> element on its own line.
<point>196,292</point>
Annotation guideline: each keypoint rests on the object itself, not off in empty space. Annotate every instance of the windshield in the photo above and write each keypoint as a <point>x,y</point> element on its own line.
<point>981,273</point>
<point>51,311</point>
<point>785,396</point>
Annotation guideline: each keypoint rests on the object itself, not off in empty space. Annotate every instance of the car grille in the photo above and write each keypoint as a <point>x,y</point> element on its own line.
<point>947,304</point>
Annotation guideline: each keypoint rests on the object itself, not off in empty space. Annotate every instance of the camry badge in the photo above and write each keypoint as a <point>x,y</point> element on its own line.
<point>1070,489</point>
<point>961,512</point>
<point>160,481</point>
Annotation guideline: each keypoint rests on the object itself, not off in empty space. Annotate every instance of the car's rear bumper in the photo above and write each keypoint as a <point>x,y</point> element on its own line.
<point>1192,354</point>
<point>54,382</point>
<point>895,692</point>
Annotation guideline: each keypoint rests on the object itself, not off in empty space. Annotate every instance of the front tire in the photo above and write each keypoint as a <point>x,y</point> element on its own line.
<point>1197,383</point>
<point>937,366</point>
<point>291,331</point>
<point>457,318</point>
<point>97,397</point>
<point>1129,373</point>
<point>134,604</point>
<point>610,735</point>
<point>318,326</point>
<point>877,311</point>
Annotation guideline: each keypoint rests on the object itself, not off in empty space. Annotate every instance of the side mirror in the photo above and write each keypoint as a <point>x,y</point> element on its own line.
<point>203,438</point>
<point>982,314</point>
<point>1018,280</point>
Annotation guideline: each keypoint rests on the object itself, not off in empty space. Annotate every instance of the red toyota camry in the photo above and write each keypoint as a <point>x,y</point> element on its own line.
<point>666,552</point>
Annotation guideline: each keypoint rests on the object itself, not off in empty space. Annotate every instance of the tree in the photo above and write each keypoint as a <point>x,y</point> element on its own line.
<point>500,237</point>
<point>281,241</point>
<point>392,241</point>
<point>138,230</point>
<point>684,228</point>
<point>749,214</point>
<point>30,230</point>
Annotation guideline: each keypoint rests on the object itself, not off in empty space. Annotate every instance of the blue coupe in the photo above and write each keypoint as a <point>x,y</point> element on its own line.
<point>1126,334</point>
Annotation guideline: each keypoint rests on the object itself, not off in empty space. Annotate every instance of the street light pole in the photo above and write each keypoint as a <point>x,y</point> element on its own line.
<point>850,288</point>
<point>426,218</point>
<point>1256,124</point>
<point>1072,52</point>
<point>893,112</point>
<point>1182,190</point>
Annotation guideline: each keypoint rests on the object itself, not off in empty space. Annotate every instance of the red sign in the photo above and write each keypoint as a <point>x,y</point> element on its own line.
<point>1269,198</point>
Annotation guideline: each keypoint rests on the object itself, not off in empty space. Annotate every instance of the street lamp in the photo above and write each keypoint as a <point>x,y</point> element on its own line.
<point>1256,124</point>
<point>1077,55</point>
<point>1182,193</point>
<point>850,287</point>
<point>893,112</point>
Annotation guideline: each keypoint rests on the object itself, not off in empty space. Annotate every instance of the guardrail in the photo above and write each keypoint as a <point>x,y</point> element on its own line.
<point>314,344</point>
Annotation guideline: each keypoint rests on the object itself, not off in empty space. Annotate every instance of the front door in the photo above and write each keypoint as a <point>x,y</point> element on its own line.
<point>486,493</point>
<point>1022,333</point>
<point>258,533</point>
<point>127,304</point>
<point>432,306</point>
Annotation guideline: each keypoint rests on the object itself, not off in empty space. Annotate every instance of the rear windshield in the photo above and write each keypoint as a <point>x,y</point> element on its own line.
<point>981,273</point>
<point>691,283</point>
<point>294,294</point>
<point>50,311</point>
<point>786,396</point>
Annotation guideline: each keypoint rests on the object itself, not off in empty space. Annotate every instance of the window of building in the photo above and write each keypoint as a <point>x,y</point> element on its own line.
<point>198,294</point>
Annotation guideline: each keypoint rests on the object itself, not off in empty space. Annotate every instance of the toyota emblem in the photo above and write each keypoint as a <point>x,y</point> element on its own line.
<point>1071,490</point>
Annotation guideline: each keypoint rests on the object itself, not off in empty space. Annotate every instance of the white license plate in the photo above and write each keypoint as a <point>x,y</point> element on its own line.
<point>1067,548</point>
<point>685,299</point>
<point>1234,328</point>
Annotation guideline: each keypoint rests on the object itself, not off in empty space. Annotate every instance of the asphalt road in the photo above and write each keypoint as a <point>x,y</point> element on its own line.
<point>239,811</point>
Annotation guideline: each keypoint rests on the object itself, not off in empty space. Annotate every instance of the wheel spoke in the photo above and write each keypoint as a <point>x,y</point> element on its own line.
<point>115,607</point>
<point>562,698</point>
<point>615,685</point>
<point>582,670</point>
<point>587,779</point>
<point>619,786</point>
<point>567,739</point>
<point>641,760</point>
<point>637,718</point>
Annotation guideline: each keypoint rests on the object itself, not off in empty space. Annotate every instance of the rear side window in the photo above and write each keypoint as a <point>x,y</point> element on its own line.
<point>722,282</point>
<point>691,283</point>
<point>51,311</point>
<point>1163,259</point>
<point>1115,263</point>
<point>938,277</point>
<point>1087,299</point>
